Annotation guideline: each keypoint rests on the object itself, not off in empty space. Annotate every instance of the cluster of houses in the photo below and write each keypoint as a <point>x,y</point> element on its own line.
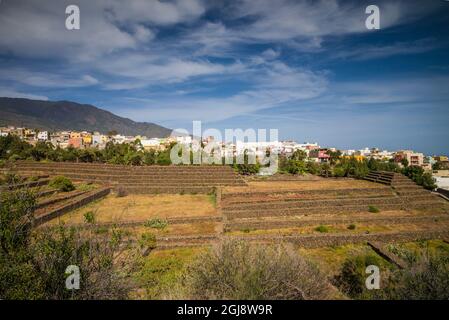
<point>82,139</point>
<point>314,152</point>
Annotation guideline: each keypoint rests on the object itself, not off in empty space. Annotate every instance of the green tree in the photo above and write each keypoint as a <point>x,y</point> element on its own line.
<point>33,264</point>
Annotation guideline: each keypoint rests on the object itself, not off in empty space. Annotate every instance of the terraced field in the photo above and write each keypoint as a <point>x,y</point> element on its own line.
<point>181,210</point>
<point>200,205</point>
<point>139,180</point>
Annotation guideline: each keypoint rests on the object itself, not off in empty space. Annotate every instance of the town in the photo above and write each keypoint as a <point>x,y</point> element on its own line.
<point>84,140</point>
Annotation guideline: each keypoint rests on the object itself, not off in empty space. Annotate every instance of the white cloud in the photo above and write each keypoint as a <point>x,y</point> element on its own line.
<point>141,69</point>
<point>12,93</point>
<point>37,28</point>
<point>278,84</point>
<point>365,52</point>
<point>45,79</point>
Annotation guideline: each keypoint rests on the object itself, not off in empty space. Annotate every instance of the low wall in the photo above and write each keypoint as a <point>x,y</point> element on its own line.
<point>235,225</point>
<point>75,204</point>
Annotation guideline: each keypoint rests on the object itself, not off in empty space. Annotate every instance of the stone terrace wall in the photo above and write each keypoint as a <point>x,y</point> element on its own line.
<point>142,179</point>
<point>72,205</point>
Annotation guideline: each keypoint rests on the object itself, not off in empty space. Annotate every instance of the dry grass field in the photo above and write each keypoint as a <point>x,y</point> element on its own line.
<point>327,221</point>
<point>142,208</point>
<point>321,184</point>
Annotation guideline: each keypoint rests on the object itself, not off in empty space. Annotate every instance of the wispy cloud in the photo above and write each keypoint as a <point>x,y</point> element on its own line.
<point>12,93</point>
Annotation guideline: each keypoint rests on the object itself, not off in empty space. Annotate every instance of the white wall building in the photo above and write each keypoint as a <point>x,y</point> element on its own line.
<point>42,136</point>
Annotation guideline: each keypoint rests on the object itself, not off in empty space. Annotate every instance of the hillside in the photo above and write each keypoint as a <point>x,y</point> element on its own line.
<point>65,115</point>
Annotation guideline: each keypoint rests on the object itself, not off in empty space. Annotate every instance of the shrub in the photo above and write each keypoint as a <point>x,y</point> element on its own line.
<point>89,217</point>
<point>428,181</point>
<point>373,209</point>
<point>14,157</point>
<point>147,240</point>
<point>61,183</point>
<point>238,270</point>
<point>426,278</point>
<point>339,172</point>
<point>351,227</point>
<point>85,187</point>
<point>352,276</point>
<point>296,167</point>
<point>156,223</point>
<point>312,167</point>
<point>12,178</point>
<point>33,264</point>
<point>322,229</point>
<point>247,169</point>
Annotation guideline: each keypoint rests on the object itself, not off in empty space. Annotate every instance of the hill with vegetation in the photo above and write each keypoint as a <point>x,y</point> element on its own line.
<point>67,115</point>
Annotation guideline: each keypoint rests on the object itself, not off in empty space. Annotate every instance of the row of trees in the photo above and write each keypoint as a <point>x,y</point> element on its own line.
<point>13,148</point>
<point>337,165</point>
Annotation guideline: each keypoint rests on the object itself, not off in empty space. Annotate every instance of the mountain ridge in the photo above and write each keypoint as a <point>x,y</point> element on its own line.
<point>69,115</point>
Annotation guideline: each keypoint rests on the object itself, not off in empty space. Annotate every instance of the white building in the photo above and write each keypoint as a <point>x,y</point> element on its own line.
<point>42,136</point>
<point>150,143</point>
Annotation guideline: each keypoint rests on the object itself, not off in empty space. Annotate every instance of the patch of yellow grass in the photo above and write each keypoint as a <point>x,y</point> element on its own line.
<point>322,184</point>
<point>197,228</point>
<point>330,259</point>
<point>142,207</point>
<point>361,228</point>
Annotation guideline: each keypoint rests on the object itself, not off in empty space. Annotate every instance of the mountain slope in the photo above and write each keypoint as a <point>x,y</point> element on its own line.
<point>66,115</point>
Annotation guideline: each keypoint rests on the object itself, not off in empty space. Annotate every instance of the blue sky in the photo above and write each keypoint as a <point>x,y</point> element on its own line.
<point>310,69</point>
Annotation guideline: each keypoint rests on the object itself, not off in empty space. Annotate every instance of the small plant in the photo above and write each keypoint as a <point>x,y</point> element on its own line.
<point>61,183</point>
<point>246,230</point>
<point>33,178</point>
<point>85,187</point>
<point>156,223</point>
<point>12,178</point>
<point>322,229</point>
<point>147,240</point>
<point>121,192</point>
<point>351,227</point>
<point>89,217</point>
<point>213,199</point>
<point>102,230</point>
<point>373,209</point>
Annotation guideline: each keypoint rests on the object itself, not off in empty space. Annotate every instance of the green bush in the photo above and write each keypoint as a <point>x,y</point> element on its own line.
<point>296,167</point>
<point>339,172</point>
<point>351,227</point>
<point>312,167</point>
<point>89,217</point>
<point>156,223</point>
<point>420,177</point>
<point>247,169</point>
<point>322,229</point>
<point>61,183</point>
<point>85,187</point>
<point>352,276</point>
<point>13,178</point>
<point>373,209</point>
<point>33,262</point>
<point>147,240</point>
<point>428,181</point>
